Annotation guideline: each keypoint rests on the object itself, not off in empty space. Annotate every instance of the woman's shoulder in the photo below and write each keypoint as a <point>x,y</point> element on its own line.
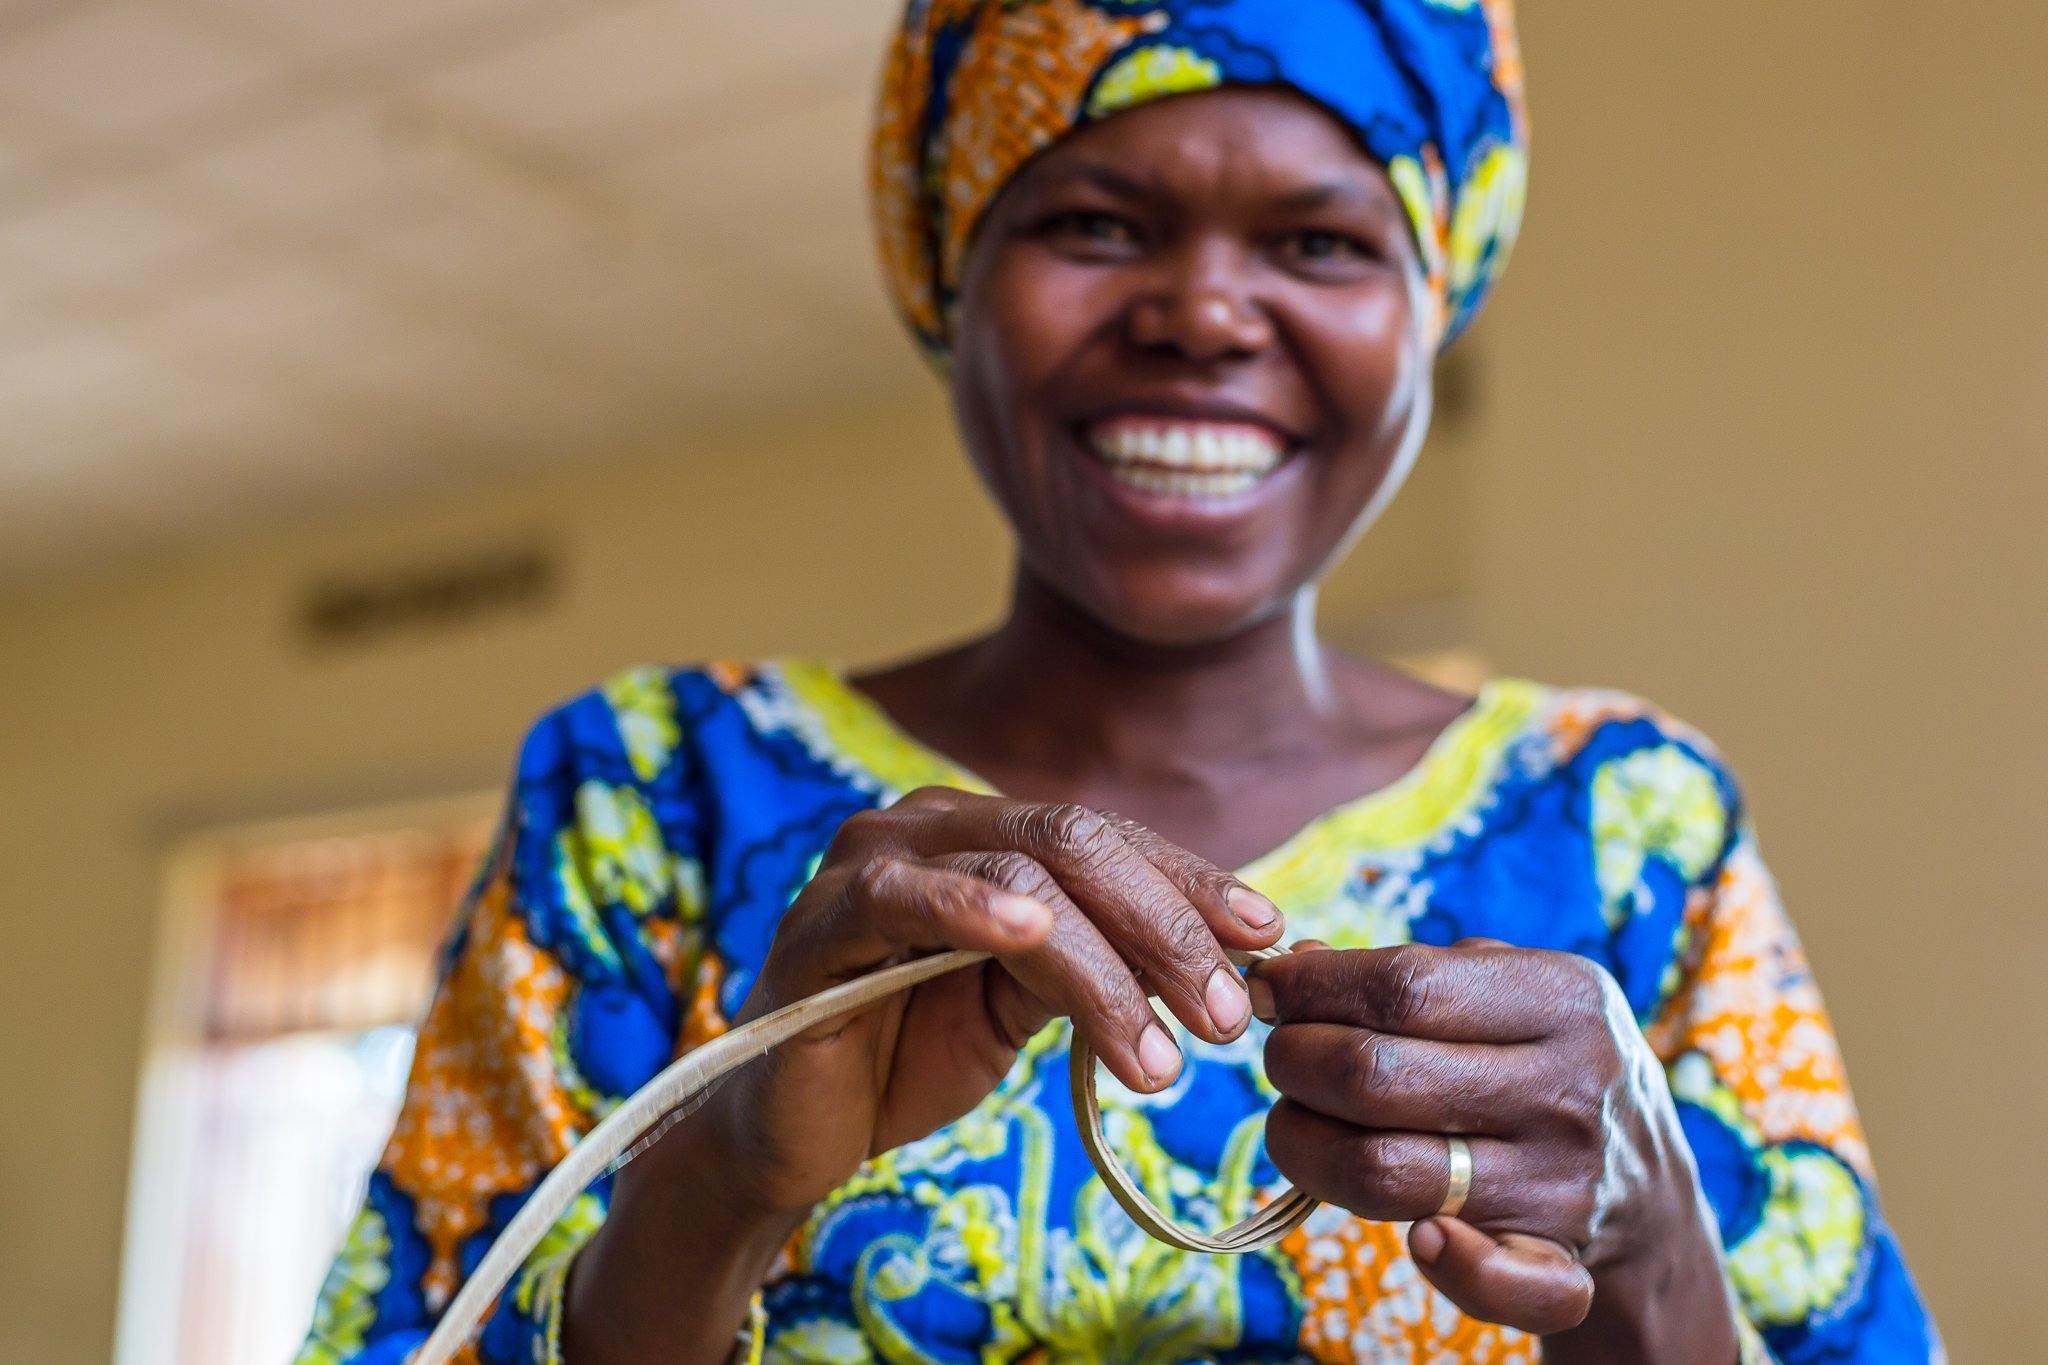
<point>665,735</point>
<point>1598,766</point>
<point>626,729</point>
<point>1638,778</point>
<point>1603,823</point>
<point>1585,720</point>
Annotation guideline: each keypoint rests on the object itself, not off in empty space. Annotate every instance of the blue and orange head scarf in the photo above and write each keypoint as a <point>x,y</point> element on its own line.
<point>973,89</point>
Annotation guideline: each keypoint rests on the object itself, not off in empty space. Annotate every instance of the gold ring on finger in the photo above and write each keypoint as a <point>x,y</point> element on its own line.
<point>1460,1187</point>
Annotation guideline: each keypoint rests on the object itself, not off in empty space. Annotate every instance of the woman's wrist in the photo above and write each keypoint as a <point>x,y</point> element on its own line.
<point>1662,1295</point>
<point>669,1276</point>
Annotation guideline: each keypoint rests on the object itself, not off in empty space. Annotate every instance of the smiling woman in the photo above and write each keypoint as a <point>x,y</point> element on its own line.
<point>1554,1053</point>
<point>1223,272</point>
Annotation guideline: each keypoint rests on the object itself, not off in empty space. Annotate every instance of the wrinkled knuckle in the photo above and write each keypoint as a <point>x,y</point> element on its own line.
<point>1015,872</point>
<point>1368,1062</point>
<point>960,899</point>
<point>1582,1114</point>
<point>1376,1164</point>
<point>1405,992</point>
<point>1135,1009</point>
<point>1071,831</point>
<point>1022,876</point>
<point>1187,944</point>
<point>875,878</point>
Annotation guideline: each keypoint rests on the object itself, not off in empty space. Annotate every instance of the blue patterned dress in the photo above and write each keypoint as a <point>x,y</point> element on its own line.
<point>661,824</point>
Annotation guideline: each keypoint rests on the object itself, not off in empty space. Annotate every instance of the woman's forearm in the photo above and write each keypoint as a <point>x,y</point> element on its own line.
<point>668,1278</point>
<point>1667,1301</point>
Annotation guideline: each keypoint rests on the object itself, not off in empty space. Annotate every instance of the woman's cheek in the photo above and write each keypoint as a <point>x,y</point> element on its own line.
<point>1369,364</point>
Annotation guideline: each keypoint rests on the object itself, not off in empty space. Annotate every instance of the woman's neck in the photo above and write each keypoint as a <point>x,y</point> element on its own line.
<point>1228,745</point>
<point>1053,687</point>
<point>1225,748</point>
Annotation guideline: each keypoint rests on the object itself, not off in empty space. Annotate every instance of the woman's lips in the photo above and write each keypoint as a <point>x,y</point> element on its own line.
<point>1181,457</point>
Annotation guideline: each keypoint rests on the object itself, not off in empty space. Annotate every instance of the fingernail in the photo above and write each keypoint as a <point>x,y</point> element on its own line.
<point>1020,916</point>
<point>1251,908</point>
<point>1262,999</point>
<point>1427,1242</point>
<point>1158,1058</point>
<point>1226,1000</point>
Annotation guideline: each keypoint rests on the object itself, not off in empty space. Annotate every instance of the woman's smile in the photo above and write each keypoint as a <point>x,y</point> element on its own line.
<point>1173,457</point>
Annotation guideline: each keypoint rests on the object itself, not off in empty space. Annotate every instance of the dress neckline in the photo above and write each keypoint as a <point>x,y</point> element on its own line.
<point>1307,867</point>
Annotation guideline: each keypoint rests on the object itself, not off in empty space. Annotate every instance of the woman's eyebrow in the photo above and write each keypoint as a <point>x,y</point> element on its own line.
<point>1104,177</point>
<point>1341,191</point>
<point>1325,194</point>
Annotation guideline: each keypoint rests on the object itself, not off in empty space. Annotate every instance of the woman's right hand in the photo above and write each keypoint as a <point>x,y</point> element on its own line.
<point>1086,915</point>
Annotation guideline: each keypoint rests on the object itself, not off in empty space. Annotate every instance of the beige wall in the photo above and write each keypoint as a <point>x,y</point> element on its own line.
<point>1763,437</point>
<point>1768,440</point>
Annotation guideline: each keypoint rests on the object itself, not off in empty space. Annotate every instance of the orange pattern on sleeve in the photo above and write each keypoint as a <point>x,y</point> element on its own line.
<point>485,1113</point>
<point>1753,1008</point>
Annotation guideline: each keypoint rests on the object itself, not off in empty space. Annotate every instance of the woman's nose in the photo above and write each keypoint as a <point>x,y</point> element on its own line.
<point>1207,315</point>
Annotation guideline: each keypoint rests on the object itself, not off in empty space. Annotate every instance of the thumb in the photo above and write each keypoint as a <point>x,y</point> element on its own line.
<point>1517,1280</point>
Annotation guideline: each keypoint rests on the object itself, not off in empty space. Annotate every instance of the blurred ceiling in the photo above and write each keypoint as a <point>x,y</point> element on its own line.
<point>260,255</point>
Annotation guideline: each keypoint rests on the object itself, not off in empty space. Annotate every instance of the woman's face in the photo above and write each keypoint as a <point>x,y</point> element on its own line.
<point>1188,356</point>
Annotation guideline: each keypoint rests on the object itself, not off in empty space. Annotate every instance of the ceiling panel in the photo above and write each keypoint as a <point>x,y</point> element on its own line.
<point>306,163</point>
<point>267,308</point>
<point>269,253</point>
<point>569,84</point>
<point>792,188</point>
<point>351,28</point>
<point>636,69</point>
<point>72,383</point>
<point>104,234</point>
<point>125,68</point>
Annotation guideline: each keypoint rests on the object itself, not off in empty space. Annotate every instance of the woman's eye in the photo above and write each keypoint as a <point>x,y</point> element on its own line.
<point>1320,246</point>
<point>1092,227</point>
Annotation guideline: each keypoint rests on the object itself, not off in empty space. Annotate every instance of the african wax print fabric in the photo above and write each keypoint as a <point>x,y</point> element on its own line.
<point>660,825</point>
<point>973,89</point>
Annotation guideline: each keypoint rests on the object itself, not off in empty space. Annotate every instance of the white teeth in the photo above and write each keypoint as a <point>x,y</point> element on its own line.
<point>1183,485</point>
<point>1187,459</point>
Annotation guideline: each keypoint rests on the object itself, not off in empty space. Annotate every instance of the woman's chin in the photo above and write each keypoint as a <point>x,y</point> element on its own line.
<point>1173,611</point>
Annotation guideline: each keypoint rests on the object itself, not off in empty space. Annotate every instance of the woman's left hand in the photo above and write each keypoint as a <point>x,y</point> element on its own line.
<point>1580,1171</point>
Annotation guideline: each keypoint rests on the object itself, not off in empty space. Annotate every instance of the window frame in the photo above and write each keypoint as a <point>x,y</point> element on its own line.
<point>169,1105</point>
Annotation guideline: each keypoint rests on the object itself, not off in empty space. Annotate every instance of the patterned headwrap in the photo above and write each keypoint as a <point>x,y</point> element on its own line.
<point>974,88</point>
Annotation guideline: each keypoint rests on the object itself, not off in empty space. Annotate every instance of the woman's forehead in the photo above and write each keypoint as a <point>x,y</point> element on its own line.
<point>1271,145</point>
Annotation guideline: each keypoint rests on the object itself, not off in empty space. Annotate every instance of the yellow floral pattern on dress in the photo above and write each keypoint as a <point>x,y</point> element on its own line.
<point>646,710</point>
<point>616,850</point>
<point>1658,801</point>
